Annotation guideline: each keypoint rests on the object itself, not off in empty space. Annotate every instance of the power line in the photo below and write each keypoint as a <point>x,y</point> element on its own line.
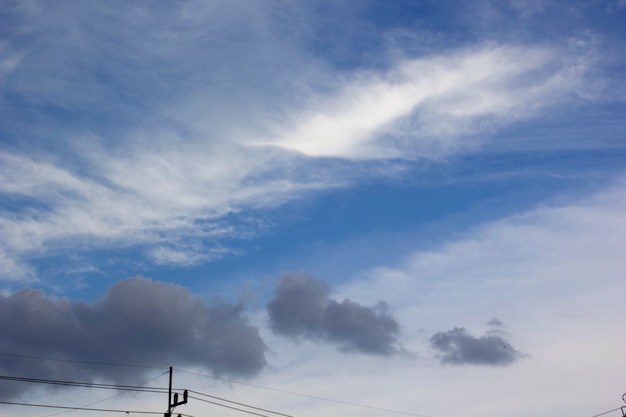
<point>607,412</point>
<point>228,406</point>
<point>83,384</point>
<point>235,402</point>
<point>127,365</point>
<point>133,388</point>
<point>110,410</point>
<point>217,378</point>
<point>104,399</point>
<point>305,395</point>
<point>622,409</point>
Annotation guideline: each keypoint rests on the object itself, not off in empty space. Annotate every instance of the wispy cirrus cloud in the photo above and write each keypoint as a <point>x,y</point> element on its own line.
<point>172,132</point>
<point>434,103</point>
<point>150,188</point>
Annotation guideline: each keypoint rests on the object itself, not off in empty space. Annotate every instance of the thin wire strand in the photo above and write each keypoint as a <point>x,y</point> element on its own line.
<point>83,384</point>
<point>237,403</point>
<point>105,399</point>
<point>228,406</point>
<point>305,395</point>
<point>607,412</point>
<point>110,410</point>
<point>221,379</point>
<point>127,365</point>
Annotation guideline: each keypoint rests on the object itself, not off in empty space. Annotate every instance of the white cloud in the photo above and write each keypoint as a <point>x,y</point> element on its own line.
<point>206,126</point>
<point>9,61</point>
<point>12,269</point>
<point>185,255</point>
<point>162,182</point>
<point>447,98</point>
<point>552,275</point>
<point>148,197</point>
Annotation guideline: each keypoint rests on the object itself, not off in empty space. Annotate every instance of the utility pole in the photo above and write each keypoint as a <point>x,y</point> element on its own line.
<point>169,398</point>
<point>170,404</point>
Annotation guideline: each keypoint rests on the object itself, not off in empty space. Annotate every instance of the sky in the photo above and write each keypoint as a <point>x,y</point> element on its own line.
<point>319,208</point>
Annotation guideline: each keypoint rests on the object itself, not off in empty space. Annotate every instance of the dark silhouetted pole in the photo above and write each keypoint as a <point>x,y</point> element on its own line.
<point>169,397</point>
<point>170,404</point>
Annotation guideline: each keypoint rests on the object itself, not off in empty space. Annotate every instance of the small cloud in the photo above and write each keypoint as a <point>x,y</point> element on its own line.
<point>302,308</point>
<point>616,6</point>
<point>185,255</point>
<point>458,347</point>
<point>13,269</point>
<point>495,323</point>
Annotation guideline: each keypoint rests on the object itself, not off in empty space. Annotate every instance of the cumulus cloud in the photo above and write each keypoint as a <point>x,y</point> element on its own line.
<point>302,308</point>
<point>459,347</point>
<point>139,321</point>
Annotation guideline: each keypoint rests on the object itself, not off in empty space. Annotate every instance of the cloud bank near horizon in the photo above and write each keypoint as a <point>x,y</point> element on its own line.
<point>429,283</point>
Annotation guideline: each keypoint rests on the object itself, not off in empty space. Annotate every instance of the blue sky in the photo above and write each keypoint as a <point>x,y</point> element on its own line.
<point>404,205</point>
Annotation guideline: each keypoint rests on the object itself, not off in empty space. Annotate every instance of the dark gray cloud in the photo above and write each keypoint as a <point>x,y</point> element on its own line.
<point>367,329</point>
<point>298,305</point>
<point>458,347</point>
<point>139,321</point>
<point>302,308</point>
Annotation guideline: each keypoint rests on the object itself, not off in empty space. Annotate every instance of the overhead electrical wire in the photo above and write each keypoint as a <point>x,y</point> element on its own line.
<point>234,402</point>
<point>140,388</point>
<point>622,409</point>
<point>84,384</point>
<point>110,410</point>
<point>127,388</point>
<point>230,407</point>
<point>206,376</point>
<point>124,388</point>
<point>127,365</point>
<point>104,399</point>
<point>305,395</point>
<point>607,412</point>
